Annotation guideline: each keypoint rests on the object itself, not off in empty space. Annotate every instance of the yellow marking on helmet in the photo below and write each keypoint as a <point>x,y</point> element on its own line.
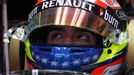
<point>114,52</point>
<point>28,52</point>
<point>115,48</point>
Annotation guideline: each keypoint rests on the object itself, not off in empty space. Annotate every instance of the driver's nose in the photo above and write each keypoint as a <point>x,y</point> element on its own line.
<point>68,40</point>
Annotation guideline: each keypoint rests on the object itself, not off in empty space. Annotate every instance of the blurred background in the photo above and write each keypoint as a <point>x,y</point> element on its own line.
<point>17,12</point>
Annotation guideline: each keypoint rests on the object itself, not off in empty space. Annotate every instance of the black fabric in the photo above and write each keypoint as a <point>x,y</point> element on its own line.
<point>22,55</point>
<point>19,9</point>
<point>0,1</point>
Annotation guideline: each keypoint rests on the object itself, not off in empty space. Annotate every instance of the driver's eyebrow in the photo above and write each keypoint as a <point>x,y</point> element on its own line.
<point>62,28</point>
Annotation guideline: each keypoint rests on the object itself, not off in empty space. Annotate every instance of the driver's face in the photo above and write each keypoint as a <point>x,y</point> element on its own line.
<point>70,35</point>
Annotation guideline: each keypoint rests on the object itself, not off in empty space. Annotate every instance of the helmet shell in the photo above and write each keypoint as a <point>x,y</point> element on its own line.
<point>105,16</point>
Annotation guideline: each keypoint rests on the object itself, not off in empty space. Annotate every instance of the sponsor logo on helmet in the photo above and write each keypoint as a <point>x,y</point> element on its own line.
<point>121,14</point>
<point>86,5</point>
<point>111,19</point>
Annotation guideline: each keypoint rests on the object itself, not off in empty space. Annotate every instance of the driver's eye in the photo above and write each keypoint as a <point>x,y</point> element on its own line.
<point>82,37</point>
<point>56,35</point>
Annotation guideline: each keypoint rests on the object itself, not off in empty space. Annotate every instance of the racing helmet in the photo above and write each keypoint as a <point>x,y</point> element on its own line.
<point>103,18</point>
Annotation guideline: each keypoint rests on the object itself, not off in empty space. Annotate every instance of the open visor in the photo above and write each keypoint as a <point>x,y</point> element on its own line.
<point>68,16</point>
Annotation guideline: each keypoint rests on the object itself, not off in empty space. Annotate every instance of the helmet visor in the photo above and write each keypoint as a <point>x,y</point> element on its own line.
<point>68,16</point>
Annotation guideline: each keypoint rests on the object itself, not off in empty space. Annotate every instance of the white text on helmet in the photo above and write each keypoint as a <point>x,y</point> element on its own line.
<point>111,19</point>
<point>79,4</point>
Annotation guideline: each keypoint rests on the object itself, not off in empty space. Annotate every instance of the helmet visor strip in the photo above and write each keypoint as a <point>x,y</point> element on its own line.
<point>67,16</point>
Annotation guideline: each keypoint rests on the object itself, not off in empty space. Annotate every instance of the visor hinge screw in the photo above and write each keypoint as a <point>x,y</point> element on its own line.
<point>109,51</point>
